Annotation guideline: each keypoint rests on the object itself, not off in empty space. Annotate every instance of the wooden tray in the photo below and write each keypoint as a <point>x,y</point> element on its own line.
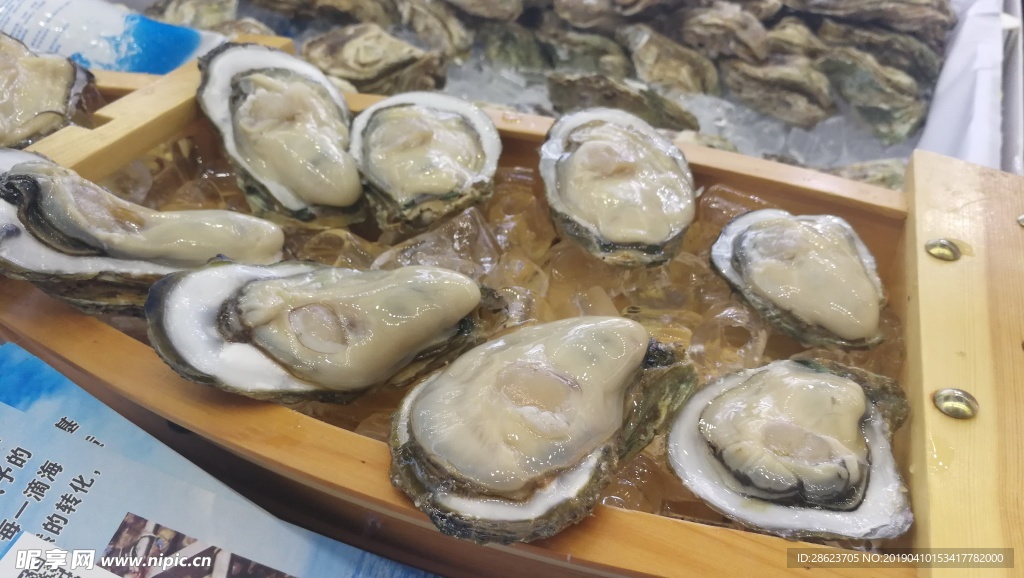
<point>964,328</point>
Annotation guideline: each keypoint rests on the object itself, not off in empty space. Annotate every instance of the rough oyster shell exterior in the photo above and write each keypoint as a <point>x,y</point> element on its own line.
<point>789,88</point>
<point>660,61</point>
<point>573,92</point>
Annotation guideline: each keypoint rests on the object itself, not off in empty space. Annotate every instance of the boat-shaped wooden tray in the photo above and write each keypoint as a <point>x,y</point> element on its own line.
<point>964,323</point>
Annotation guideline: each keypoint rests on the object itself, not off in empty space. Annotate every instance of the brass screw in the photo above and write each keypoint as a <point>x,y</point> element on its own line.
<point>943,249</point>
<point>956,403</point>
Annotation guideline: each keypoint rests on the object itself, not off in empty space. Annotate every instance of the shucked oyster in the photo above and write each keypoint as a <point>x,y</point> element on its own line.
<point>38,94</point>
<point>374,61</point>
<point>786,87</point>
<point>285,128</point>
<point>661,61</point>
<point>424,156</point>
<point>297,331</point>
<point>515,439</point>
<point>797,449</point>
<point>574,92</point>
<point>100,253</point>
<point>617,187</point>
<point>809,276</point>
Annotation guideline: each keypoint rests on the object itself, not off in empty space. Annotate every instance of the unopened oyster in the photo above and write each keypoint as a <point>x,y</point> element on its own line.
<point>761,9</point>
<point>435,23</point>
<point>886,173</point>
<point>296,331</point>
<point>511,45</point>
<point>581,52</point>
<point>800,450</point>
<point>243,27</point>
<point>81,243</point>
<point>887,99</point>
<point>929,20</point>
<point>617,187</point>
<point>587,14</point>
<point>374,61</point>
<point>792,36</point>
<point>724,29</point>
<point>661,61</point>
<point>285,128</point>
<point>380,12</point>
<point>515,440</point>
<point>900,51</point>
<point>39,94</point>
<point>809,276</point>
<point>786,87</point>
<point>493,9</point>
<point>194,13</point>
<point>424,156</point>
<point>573,92</point>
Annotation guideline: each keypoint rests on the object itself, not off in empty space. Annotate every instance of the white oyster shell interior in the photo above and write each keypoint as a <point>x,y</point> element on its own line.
<point>810,267</point>
<point>530,404</point>
<point>85,211</point>
<point>884,511</point>
<point>615,175</point>
<point>314,328</point>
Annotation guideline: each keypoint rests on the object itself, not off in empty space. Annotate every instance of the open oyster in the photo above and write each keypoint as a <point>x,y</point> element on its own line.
<point>38,94</point>
<point>296,331</point>
<point>617,187</point>
<point>424,156</point>
<point>786,87</point>
<point>887,98</point>
<point>723,29</point>
<point>797,449</point>
<point>285,128</point>
<point>661,61</point>
<point>809,276</point>
<point>571,92</point>
<point>81,243</point>
<point>374,61</point>
<point>515,439</point>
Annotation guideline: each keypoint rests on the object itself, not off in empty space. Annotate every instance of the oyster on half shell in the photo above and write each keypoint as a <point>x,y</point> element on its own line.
<point>300,331</point>
<point>424,156</point>
<point>83,244</point>
<point>617,187</point>
<point>285,128</point>
<point>797,449</point>
<point>515,440</point>
<point>809,276</point>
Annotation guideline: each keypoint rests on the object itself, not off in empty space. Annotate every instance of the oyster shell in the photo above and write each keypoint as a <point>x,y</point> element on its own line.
<point>284,126</point>
<point>587,14</point>
<point>711,141</point>
<point>243,27</point>
<point>570,50</point>
<point>373,61</point>
<point>786,87</point>
<point>886,173</point>
<point>572,92</point>
<point>792,36</point>
<point>886,98</point>
<point>511,45</point>
<point>900,51</point>
<point>929,20</point>
<point>82,244</point>
<point>491,9</point>
<point>424,156</point>
<point>39,94</point>
<point>382,12</point>
<point>617,187</point>
<point>763,10</point>
<point>660,61</point>
<point>435,23</point>
<point>723,29</point>
<point>300,331</point>
<point>515,440</point>
<point>800,450</point>
<point>194,13</point>
<point>809,276</point>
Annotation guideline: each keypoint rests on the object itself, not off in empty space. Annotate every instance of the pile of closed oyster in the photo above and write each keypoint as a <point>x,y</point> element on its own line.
<point>530,343</point>
<point>796,61</point>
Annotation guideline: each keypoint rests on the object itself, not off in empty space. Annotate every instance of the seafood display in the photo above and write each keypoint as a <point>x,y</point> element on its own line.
<point>40,93</point>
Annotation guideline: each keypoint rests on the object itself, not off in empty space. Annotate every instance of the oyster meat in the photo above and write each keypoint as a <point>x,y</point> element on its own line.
<point>424,156</point>
<point>888,99</point>
<point>617,187</point>
<point>571,92</point>
<point>300,331</point>
<point>435,23</point>
<point>39,94</point>
<point>83,244</point>
<point>797,449</point>
<point>660,61</point>
<point>789,88</point>
<point>373,61</point>
<point>285,128</point>
<point>900,51</point>
<point>515,440</point>
<point>809,276</point>
<point>724,29</point>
